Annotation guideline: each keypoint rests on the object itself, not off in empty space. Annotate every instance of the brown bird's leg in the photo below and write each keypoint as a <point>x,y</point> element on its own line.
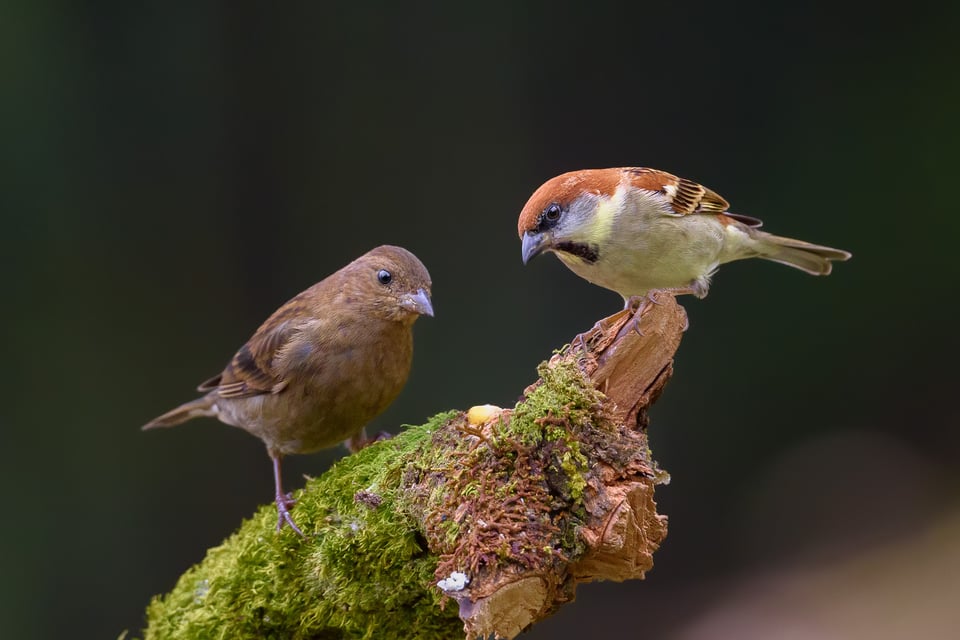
<point>284,502</point>
<point>360,440</point>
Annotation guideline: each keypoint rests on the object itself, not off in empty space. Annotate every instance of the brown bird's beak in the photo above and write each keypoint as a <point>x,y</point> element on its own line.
<point>533,245</point>
<point>418,302</point>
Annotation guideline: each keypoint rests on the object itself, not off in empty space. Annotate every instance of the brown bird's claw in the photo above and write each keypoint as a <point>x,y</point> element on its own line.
<point>283,514</point>
<point>285,501</point>
<point>380,437</point>
<point>360,440</point>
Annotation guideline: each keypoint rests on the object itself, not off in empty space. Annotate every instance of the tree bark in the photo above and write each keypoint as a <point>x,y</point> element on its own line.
<point>479,522</point>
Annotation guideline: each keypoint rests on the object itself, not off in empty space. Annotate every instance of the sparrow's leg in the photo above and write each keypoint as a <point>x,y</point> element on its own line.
<point>650,298</point>
<point>579,341</point>
<point>639,304</point>
<point>284,501</point>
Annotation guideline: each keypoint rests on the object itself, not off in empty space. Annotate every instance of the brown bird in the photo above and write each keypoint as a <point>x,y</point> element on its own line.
<point>323,365</point>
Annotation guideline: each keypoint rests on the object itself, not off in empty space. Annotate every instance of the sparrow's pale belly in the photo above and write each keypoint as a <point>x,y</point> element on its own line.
<point>668,253</point>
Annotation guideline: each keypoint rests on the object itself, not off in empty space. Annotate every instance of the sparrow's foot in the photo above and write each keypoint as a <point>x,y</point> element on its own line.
<point>641,303</point>
<point>636,322</point>
<point>580,340</point>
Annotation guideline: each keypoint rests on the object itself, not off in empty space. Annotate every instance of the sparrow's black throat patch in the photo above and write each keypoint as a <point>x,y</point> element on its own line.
<point>587,252</point>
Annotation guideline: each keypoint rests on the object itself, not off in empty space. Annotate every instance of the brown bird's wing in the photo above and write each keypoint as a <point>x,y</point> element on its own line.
<point>686,196</point>
<point>251,371</point>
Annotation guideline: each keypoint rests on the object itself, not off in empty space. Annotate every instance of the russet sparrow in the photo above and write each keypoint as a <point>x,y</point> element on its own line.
<point>640,231</point>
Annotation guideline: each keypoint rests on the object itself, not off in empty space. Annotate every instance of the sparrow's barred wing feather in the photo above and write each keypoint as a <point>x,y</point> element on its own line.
<point>686,196</point>
<point>692,197</point>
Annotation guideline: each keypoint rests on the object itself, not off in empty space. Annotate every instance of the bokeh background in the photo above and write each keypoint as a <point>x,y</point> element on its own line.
<point>172,173</point>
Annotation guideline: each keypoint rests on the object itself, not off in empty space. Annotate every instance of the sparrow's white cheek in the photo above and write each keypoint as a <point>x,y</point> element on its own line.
<point>600,226</point>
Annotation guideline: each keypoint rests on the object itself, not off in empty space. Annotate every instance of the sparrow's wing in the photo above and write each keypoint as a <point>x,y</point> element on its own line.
<point>686,197</point>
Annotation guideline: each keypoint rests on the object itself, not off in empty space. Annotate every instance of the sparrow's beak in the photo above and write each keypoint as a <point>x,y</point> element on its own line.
<point>533,245</point>
<point>418,302</point>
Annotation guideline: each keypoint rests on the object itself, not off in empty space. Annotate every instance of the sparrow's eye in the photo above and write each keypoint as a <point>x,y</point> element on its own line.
<point>384,276</point>
<point>552,213</point>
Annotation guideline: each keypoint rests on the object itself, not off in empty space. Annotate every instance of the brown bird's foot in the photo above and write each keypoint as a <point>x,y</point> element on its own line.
<point>288,500</point>
<point>283,514</point>
<point>380,437</point>
<point>361,440</point>
<point>284,501</point>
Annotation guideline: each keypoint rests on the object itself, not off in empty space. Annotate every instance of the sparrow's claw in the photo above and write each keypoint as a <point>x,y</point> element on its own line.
<point>580,341</point>
<point>641,303</point>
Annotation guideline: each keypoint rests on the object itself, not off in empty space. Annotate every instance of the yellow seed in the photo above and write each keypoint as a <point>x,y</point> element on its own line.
<point>482,413</point>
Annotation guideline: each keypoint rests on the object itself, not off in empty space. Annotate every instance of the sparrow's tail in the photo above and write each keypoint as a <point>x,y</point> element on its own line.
<point>812,258</point>
<point>201,407</point>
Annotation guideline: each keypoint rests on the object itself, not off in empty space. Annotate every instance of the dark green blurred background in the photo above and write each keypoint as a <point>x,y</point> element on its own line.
<point>170,175</point>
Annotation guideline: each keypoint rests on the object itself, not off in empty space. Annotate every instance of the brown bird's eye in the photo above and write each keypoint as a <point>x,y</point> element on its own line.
<point>384,276</point>
<point>552,213</point>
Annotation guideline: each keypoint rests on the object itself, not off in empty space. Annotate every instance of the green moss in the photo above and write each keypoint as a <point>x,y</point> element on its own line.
<point>384,524</point>
<point>574,466</point>
<point>529,472</point>
<point>362,572</point>
<point>563,392</point>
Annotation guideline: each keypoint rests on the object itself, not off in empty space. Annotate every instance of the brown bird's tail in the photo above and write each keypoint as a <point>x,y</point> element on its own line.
<point>812,258</point>
<point>201,407</point>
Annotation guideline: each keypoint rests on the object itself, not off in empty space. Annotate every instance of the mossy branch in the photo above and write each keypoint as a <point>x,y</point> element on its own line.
<point>508,509</point>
